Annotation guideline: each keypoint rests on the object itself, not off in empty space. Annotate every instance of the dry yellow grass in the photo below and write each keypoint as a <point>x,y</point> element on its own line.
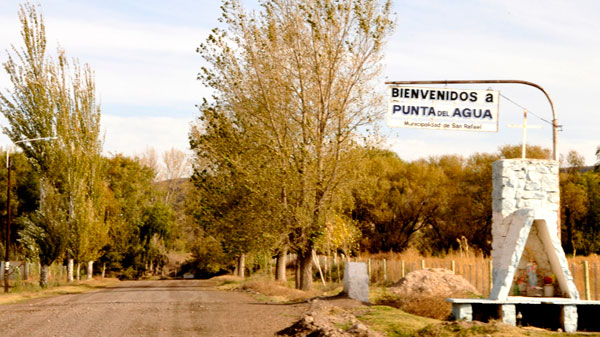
<point>23,294</point>
<point>278,292</point>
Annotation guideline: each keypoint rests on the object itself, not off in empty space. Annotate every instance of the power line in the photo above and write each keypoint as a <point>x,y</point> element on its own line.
<point>529,111</point>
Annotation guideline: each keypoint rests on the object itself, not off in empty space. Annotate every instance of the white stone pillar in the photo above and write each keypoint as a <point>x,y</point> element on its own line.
<point>508,314</point>
<point>462,311</point>
<point>356,281</point>
<point>525,242</point>
<point>569,318</point>
<point>519,184</point>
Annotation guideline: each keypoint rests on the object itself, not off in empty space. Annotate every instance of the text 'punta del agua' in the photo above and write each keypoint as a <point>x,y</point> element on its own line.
<point>443,108</point>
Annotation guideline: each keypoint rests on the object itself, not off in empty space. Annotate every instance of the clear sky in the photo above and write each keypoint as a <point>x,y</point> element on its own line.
<point>143,53</point>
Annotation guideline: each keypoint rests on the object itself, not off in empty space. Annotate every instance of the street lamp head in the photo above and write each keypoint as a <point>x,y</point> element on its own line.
<point>23,141</point>
<point>35,139</point>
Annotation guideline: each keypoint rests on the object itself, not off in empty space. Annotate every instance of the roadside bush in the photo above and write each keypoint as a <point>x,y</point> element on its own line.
<point>208,259</point>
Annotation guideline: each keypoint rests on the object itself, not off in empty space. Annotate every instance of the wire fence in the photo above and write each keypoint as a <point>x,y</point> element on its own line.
<point>476,269</point>
<point>27,273</point>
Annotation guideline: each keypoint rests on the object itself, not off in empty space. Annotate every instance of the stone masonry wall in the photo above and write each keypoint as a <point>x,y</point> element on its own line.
<point>518,184</point>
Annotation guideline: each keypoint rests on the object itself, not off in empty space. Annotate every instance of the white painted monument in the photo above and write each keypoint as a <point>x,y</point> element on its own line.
<point>526,249</point>
<point>529,264</point>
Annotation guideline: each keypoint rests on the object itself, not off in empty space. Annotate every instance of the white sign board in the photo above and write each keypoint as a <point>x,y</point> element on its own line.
<point>443,109</point>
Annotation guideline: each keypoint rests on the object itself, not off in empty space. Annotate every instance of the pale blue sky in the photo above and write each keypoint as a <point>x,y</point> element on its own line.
<point>144,56</point>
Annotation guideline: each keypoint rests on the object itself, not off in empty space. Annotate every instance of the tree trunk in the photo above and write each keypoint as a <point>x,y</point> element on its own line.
<point>44,276</point>
<point>241,265</point>
<point>297,272</point>
<point>90,270</point>
<point>103,270</point>
<point>305,259</point>
<point>70,270</point>
<point>280,266</point>
<point>78,271</point>
<point>570,247</point>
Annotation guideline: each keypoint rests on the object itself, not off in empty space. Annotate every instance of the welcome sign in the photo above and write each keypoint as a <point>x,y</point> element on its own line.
<point>443,109</point>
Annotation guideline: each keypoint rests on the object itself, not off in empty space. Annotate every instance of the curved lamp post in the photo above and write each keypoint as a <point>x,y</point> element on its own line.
<point>8,213</point>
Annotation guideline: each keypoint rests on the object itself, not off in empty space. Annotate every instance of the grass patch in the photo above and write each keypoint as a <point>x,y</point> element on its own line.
<point>397,323</point>
<point>228,282</point>
<point>276,291</point>
<point>267,290</point>
<point>28,291</point>
<point>493,328</point>
<point>394,322</point>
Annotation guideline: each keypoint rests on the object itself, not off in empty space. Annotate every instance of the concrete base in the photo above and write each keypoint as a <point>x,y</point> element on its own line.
<point>508,314</point>
<point>568,318</point>
<point>545,312</point>
<point>462,312</point>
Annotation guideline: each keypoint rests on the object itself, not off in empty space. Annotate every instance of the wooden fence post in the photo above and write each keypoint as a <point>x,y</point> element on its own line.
<point>422,264</point>
<point>384,271</point>
<point>573,272</point>
<point>453,266</point>
<point>402,269</point>
<point>491,276</point>
<point>471,274</point>
<point>586,278</point>
<point>596,281</point>
<point>477,278</point>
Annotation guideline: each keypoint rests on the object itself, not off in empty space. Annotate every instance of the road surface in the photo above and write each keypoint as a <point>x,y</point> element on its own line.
<point>149,308</point>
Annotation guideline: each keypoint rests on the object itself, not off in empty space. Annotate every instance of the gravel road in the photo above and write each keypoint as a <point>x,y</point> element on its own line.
<point>149,308</point>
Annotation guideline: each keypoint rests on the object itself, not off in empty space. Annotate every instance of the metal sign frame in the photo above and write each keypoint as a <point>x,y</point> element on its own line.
<point>531,84</point>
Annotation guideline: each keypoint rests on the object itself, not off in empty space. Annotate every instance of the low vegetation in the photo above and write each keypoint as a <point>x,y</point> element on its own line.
<point>29,291</point>
<point>396,317</point>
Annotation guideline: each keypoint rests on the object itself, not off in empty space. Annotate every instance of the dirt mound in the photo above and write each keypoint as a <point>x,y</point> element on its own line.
<point>326,320</point>
<point>433,282</point>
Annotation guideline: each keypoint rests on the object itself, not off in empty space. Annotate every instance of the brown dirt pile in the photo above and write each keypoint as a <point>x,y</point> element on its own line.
<point>433,282</point>
<point>327,320</point>
<point>424,292</point>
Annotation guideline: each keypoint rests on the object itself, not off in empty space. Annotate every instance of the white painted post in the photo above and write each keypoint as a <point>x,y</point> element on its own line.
<point>491,276</point>
<point>70,264</point>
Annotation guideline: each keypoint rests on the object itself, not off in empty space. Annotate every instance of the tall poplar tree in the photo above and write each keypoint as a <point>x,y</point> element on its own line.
<point>50,98</point>
<point>298,79</point>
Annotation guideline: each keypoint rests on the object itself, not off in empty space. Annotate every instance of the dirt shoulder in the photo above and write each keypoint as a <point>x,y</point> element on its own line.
<point>149,308</point>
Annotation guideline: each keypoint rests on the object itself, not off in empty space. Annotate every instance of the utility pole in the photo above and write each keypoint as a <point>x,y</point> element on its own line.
<point>8,221</point>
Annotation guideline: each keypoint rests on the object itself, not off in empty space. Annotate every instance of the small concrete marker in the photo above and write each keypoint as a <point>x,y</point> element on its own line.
<point>356,281</point>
